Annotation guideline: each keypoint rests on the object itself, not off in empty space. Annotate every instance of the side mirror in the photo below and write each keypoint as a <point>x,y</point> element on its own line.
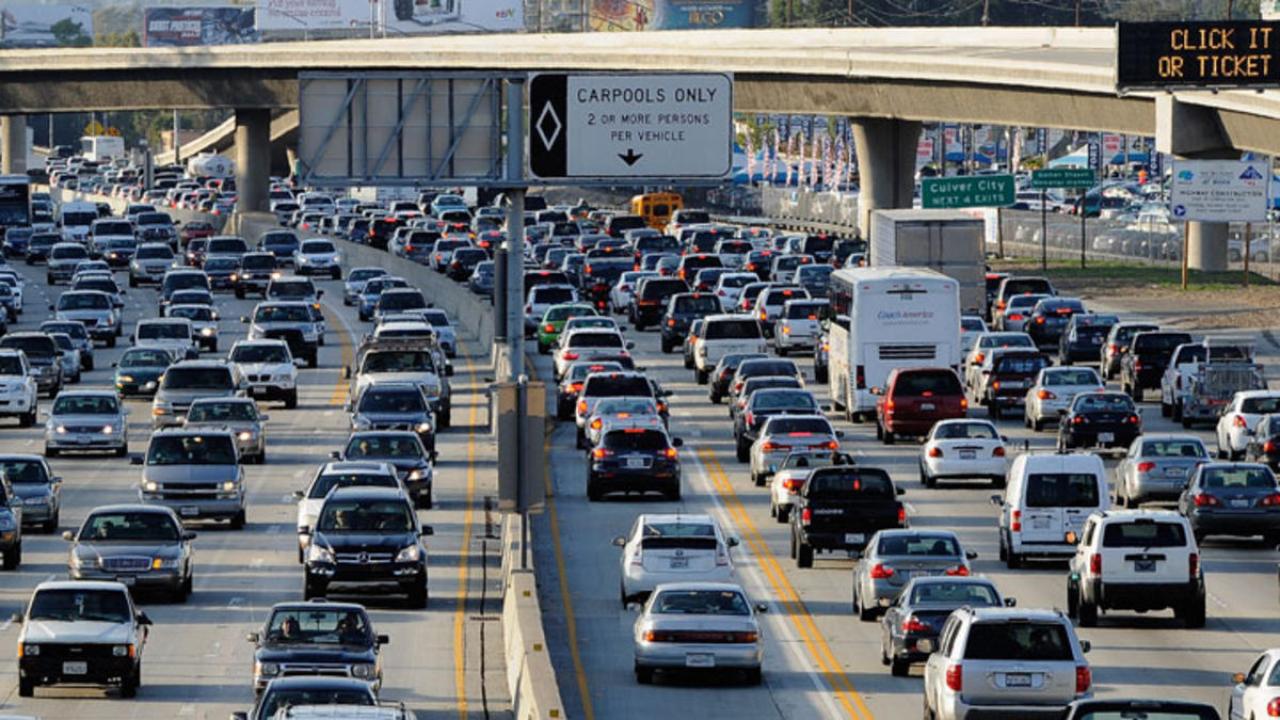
<point>252,637</point>
<point>1011,602</point>
<point>970,555</point>
<point>334,454</point>
<point>263,418</point>
<point>773,468</point>
<point>901,490</point>
<point>346,372</point>
<point>448,370</point>
<point>634,607</point>
<point>244,319</point>
<point>734,542</point>
<point>68,536</point>
<point>427,530</point>
<point>319,294</point>
<point>762,607</point>
<point>631,346</point>
<point>997,500</point>
<point>55,480</point>
<point>239,716</point>
<point>188,535</point>
<point>383,639</point>
<point>677,442</point>
<point>1062,411</point>
<point>135,459</point>
<point>51,307</point>
<point>143,619</point>
<point>115,364</point>
<point>304,529</point>
<point>840,433</point>
<point>1085,646</point>
<point>619,541</point>
<point>877,391</point>
<point>16,618</point>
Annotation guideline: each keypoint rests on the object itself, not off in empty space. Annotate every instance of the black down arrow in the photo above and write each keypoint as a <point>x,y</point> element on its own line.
<point>631,157</point>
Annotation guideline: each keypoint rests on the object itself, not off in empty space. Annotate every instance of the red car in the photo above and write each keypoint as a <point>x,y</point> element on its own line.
<point>195,229</point>
<point>913,399</point>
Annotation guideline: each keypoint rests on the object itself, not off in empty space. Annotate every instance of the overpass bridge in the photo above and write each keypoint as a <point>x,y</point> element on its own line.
<point>888,81</point>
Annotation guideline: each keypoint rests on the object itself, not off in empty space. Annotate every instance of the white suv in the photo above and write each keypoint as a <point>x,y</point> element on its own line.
<point>18,391</point>
<point>1004,662</point>
<point>269,368</point>
<point>1136,560</point>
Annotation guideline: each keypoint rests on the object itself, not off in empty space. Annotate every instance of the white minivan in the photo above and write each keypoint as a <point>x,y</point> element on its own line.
<point>1048,495</point>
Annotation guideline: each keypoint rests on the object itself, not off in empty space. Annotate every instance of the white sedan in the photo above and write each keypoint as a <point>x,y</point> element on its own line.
<point>1240,418</point>
<point>1253,693</point>
<point>1053,391</point>
<point>962,448</point>
<point>622,293</point>
<point>672,548</point>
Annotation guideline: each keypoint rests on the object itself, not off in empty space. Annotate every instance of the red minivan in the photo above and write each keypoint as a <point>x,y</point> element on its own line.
<point>913,399</point>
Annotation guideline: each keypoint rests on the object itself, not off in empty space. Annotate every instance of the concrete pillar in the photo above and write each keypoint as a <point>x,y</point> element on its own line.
<point>1195,133</point>
<point>886,150</point>
<point>253,159</point>
<point>13,145</point>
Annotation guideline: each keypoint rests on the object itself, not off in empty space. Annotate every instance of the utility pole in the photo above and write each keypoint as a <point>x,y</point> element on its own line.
<point>1231,7</point>
<point>1078,4</point>
<point>986,13</point>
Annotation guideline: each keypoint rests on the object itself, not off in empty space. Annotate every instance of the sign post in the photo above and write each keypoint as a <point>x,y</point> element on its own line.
<point>1056,178</point>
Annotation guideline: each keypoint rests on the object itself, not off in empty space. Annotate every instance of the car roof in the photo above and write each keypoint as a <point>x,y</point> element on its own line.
<point>81,585</point>
<point>134,508</point>
<point>677,518</point>
<point>996,614</point>
<point>365,492</point>
<point>86,393</point>
<point>695,585</point>
<point>345,466</point>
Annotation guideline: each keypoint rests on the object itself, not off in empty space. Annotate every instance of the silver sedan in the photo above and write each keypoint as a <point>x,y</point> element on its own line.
<point>86,420</point>
<point>894,557</point>
<point>237,415</point>
<point>1157,467</point>
<point>698,627</point>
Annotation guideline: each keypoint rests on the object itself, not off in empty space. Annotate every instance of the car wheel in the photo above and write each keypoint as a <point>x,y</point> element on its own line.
<point>111,341</point>
<point>418,596</point>
<point>1037,424</point>
<point>1165,409</point>
<point>238,520</point>
<point>701,376</point>
<point>88,363</point>
<point>310,590</point>
<point>1088,613</point>
<point>26,688</point>
<point>753,676</point>
<point>122,450</point>
<point>899,668</point>
<point>28,419</point>
<point>784,513</point>
<point>50,452</point>
<point>804,554</point>
<point>312,359</point>
<point>593,492</point>
<point>129,686</point>
<point>291,400</point>
<point>889,437</point>
<point>644,675</point>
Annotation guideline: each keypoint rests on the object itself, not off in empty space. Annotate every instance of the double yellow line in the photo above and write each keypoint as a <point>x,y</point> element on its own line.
<point>785,592</point>
<point>468,518</point>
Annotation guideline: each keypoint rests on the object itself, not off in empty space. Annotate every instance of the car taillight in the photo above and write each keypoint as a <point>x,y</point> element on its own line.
<point>1015,316</point>
<point>764,315</point>
<point>571,356</point>
<point>1240,422</point>
<point>889,406</point>
<point>737,387</point>
<point>1193,565</point>
<point>832,445</point>
<point>1137,365</point>
<point>958,571</point>
<point>1272,500</point>
<point>549,328</point>
<point>902,515</point>
<point>599,453</point>
<point>995,385</point>
<point>1084,679</point>
<point>1001,305</point>
<point>792,485</point>
<point>1039,320</point>
<point>913,624</point>
<point>575,388</point>
<point>881,571</point>
<point>597,424</point>
<point>1273,708</point>
<point>1269,447</point>
<point>935,452</point>
<point>1079,420</point>
<point>1133,420</point>
<point>1146,466</point>
<point>582,407</point>
<point>964,404</point>
<point>1015,521</point>
<point>768,446</point>
<point>806,516</point>
<point>1095,563</point>
<point>671,322</point>
<point>1046,395</point>
<point>998,452</point>
<point>750,419</point>
<point>977,359</point>
<point>955,677</point>
<point>1205,500</point>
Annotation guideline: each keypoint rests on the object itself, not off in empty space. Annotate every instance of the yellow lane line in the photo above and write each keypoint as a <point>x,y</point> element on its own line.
<point>797,612</point>
<point>346,340</point>
<point>460,612</point>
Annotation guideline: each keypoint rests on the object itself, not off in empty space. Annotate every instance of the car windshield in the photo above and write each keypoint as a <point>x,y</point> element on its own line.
<point>401,401</point>
<point>1144,534</point>
<point>164,331</point>
<point>323,484</point>
<point>401,301</point>
<point>258,262</point>
<point>1144,710</point>
<point>797,427</point>
<point>145,358</point>
<point>302,289</point>
<point>384,446</point>
<point>595,339</point>
<point>1260,405</point>
<point>731,330</point>
<point>23,472</point>
<point>1020,364</point>
<point>365,274</point>
<point>564,312</point>
<point>72,605</point>
<point>1238,478</point>
<point>850,484</point>
<point>154,252</point>
<point>126,526</point>
<point>84,301</point>
<point>272,353</point>
<point>393,361</point>
<point>1020,641</point>
<point>803,311</point>
<point>314,246</point>
<point>191,450</point>
<point>86,405</point>
<point>69,252</point>
<point>1110,402</point>
<point>192,312</point>
<point>1062,490</point>
<point>10,365</point>
<point>317,626</point>
<point>927,383</point>
<point>544,296</point>
<point>632,405</point>
<point>954,594</point>
<point>282,314</point>
<point>782,399</point>
<point>277,700</point>
<point>198,378</point>
<point>222,411</point>
<point>921,545</point>
<point>1072,377</point>
<point>1174,448</point>
<point>366,516</point>
<point>221,264</point>
<point>697,304</point>
<point>965,431</point>
<point>635,439</point>
<point>699,602</point>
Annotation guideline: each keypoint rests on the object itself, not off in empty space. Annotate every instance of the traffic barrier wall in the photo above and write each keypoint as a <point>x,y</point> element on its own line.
<point>531,679</point>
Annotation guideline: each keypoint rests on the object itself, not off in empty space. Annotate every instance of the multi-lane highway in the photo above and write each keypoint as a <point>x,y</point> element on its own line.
<point>197,662</point>
<point>820,659</point>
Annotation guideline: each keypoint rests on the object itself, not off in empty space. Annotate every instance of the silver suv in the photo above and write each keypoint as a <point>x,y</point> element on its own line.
<point>1007,663</point>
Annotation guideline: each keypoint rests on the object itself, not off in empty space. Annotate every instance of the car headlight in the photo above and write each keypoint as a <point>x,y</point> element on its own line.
<point>229,486</point>
<point>37,500</point>
<point>423,427</point>
<point>158,410</point>
<point>362,423</point>
<point>61,429</point>
<point>364,671</point>
<point>418,474</point>
<point>125,378</point>
<point>108,429</point>
<point>32,650</point>
<point>208,331</point>
<point>431,389</point>
<point>150,486</point>
<point>234,277</point>
<point>122,650</point>
<point>163,563</point>
<point>245,435</point>
<point>149,385</point>
<point>409,554</point>
<point>317,553</point>
<point>268,669</point>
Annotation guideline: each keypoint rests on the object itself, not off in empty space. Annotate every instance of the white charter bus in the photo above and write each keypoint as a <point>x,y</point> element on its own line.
<point>887,318</point>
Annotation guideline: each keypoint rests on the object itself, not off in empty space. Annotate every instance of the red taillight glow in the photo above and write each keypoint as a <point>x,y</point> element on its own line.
<point>1269,447</point>
<point>955,677</point>
<point>571,356</point>
<point>902,516</point>
<point>1273,708</point>
<point>549,328</point>
<point>599,453</point>
<point>792,485</point>
<point>1193,565</point>
<point>881,572</point>
<point>998,452</point>
<point>1272,500</point>
<point>1084,679</point>
<point>935,452</point>
<point>958,571</point>
<point>1015,316</point>
<point>806,516</point>
<point>1095,563</point>
<point>671,453</point>
<point>913,624</point>
<point>1046,395</point>
<point>1015,521</point>
<point>1240,422</point>
<point>1146,466</point>
<point>1205,500</point>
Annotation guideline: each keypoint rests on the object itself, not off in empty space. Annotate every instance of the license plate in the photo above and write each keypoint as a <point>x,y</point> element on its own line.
<point>75,668</point>
<point>855,538</point>
<point>253,390</point>
<point>700,660</point>
<point>1238,503</point>
<point>1175,472</point>
<point>636,463</point>
<point>1040,523</point>
<point>927,406</point>
<point>1144,566</point>
<point>126,579</point>
<point>189,511</point>
<point>679,563</point>
<point>1106,437</point>
<point>968,454</point>
<point>1017,680</point>
<point>83,440</point>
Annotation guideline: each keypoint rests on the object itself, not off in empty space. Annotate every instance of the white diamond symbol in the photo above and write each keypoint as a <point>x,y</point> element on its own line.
<point>548,114</point>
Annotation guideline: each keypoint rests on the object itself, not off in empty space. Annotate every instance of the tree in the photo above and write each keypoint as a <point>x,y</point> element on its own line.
<point>128,38</point>
<point>70,33</point>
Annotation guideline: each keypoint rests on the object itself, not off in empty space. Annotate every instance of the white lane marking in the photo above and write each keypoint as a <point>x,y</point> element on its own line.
<point>187,709</point>
<point>214,649</point>
<point>258,562</point>
<point>759,588</point>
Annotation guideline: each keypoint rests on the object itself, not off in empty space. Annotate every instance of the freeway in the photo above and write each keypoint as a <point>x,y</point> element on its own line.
<point>821,661</point>
<point>197,663</point>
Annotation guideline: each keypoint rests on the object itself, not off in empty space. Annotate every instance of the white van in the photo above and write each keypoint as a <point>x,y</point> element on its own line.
<point>76,219</point>
<point>1048,495</point>
<point>888,318</point>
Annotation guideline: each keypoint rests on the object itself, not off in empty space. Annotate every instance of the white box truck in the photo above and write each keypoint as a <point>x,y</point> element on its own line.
<point>888,318</point>
<point>950,242</point>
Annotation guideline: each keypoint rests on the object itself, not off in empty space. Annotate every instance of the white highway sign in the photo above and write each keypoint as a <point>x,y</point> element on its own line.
<point>585,127</point>
<point>1219,191</point>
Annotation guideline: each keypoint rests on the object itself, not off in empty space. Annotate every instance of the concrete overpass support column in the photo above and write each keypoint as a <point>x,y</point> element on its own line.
<point>886,151</point>
<point>13,145</point>
<point>1195,133</point>
<point>253,159</point>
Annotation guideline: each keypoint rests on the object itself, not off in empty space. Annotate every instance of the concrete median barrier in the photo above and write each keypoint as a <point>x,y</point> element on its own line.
<point>531,680</point>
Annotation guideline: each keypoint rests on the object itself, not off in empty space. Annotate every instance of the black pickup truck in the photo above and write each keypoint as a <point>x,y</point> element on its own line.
<point>840,507</point>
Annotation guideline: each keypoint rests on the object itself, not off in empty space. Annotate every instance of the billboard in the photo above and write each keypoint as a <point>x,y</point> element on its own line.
<point>44,26</point>
<point>631,15</point>
<point>392,17</point>
<point>185,26</point>
<point>1219,190</point>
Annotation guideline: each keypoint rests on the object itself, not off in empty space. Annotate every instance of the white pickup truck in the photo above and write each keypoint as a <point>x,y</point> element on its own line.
<point>724,334</point>
<point>1202,377</point>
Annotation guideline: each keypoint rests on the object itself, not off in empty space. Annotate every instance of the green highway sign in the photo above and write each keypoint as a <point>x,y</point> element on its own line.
<point>1081,178</point>
<point>967,191</point>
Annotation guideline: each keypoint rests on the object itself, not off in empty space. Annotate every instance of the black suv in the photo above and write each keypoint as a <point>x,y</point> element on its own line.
<point>368,536</point>
<point>1144,365</point>
<point>840,508</point>
<point>256,269</point>
<point>1083,337</point>
<point>317,638</point>
<point>634,460</point>
<point>682,310</point>
<point>651,297</point>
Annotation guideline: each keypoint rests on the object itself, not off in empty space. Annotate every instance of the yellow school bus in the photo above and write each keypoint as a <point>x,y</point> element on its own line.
<point>656,208</point>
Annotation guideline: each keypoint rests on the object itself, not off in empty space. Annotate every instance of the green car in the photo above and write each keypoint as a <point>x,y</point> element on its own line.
<point>139,371</point>
<point>553,321</point>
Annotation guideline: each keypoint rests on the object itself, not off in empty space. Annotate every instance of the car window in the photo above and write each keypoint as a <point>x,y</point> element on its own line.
<point>632,405</point>
<point>1174,448</point>
<point>23,472</point>
<point>635,439</point>
<point>71,605</point>
<point>86,405</point>
<point>1022,364</point>
<point>778,400</point>
<point>797,427</point>
<point>700,602</point>
<point>849,483</point>
<point>387,516</point>
<point>145,358</point>
<point>1144,535</point>
<point>1023,641</point>
<point>595,339</point>
<point>1237,478</point>
<point>222,412</point>
<point>1061,490</point>
<point>965,431</point>
<point>1260,405</point>
<point>129,526</point>
<point>318,626</point>
<point>391,402</point>
<point>1159,342</point>
<point>323,484</point>
<point>191,450</point>
<point>617,386</point>
<point>1103,403</point>
<point>1071,377</point>
<point>918,545</point>
<point>260,354</point>
<point>926,383</point>
<point>282,313</point>
<point>384,446</point>
<point>281,699</point>
<point>955,594</point>
<point>198,378</point>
